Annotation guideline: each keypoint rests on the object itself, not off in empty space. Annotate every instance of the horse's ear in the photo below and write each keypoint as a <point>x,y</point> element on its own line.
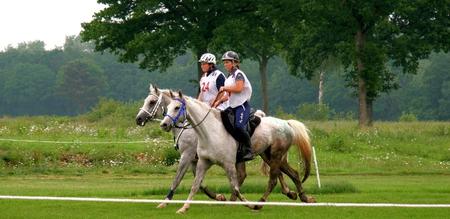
<point>180,94</point>
<point>171,94</point>
<point>153,89</point>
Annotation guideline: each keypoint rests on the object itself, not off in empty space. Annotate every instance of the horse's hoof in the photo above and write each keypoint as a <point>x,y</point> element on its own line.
<point>257,207</point>
<point>307,199</point>
<point>292,195</point>
<point>311,199</point>
<point>182,211</point>
<point>162,205</point>
<point>220,197</point>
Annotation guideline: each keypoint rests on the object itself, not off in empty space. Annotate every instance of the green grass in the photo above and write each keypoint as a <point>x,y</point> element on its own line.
<point>387,148</point>
<point>394,162</point>
<point>370,189</point>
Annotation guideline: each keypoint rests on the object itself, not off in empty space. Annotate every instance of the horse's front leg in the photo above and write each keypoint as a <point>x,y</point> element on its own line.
<point>241,175</point>
<point>208,192</point>
<point>230,170</point>
<point>185,160</point>
<point>202,166</point>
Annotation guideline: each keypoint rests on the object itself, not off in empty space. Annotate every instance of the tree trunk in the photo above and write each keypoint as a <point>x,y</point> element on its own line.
<point>369,112</point>
<point>263,73</point>
<point>321,88</point>
<point>362,88</point>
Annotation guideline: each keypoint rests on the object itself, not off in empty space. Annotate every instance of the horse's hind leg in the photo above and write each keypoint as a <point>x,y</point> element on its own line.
<point>285,189</point>
<point>185,160</point>
<point>293,174</point>
<point>202,166</point>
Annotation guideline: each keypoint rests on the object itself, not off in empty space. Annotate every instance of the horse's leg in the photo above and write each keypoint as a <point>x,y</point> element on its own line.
<point>274,173</point>
<point>185,160</point>
<point>209,193</point>
<point>293,174</point>
<point>230,170</point>
<point>202,166</point>
<point>284,187</point>
<point>241,175</point>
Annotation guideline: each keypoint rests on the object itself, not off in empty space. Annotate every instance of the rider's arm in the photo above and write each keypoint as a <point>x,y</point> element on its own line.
<point>200,96</point>
<point>222,97</point>
<point>237,87</point>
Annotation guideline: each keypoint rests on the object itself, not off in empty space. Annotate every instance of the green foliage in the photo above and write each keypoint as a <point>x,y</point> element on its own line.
<point>337,143</point>
<point>279,113</point>
<point>364,36</point>
<point>108,109</point>
<point>407,117</point>
<point>28,86</point>
<point>171,156</point>
<point>312,111</point>
<point>81,83</point>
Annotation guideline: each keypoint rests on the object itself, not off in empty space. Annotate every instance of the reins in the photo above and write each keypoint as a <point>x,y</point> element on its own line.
<point>184,111</point>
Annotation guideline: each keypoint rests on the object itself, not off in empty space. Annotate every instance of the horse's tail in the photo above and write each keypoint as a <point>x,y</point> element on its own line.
<point>303,142</point>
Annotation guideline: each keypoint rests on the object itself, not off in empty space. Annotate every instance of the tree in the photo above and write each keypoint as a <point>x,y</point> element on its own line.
<point>253,36</point>
<point>155,32</point>
<point>26,89</point>
<point>365,36</point>
<point>435,90</point>
<point>81,84</point>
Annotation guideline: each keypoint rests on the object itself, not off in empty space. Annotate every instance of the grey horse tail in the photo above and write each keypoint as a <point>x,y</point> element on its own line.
<point>303,142</point>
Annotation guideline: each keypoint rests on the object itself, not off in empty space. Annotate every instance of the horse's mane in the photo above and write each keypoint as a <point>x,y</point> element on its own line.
<point>175,94</point>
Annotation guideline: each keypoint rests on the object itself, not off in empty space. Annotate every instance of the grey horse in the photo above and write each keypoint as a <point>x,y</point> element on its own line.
<point>155,104</point>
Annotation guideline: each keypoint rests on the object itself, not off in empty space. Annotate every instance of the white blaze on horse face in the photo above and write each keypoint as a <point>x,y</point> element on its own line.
<point>147,107</point>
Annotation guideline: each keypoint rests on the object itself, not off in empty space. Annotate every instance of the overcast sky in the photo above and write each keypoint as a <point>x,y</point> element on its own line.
<point>46,20</point>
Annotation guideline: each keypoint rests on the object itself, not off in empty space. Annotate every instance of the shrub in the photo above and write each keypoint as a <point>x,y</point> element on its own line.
<point>112,110</point>
<point>347,116</point>
<point>279,113</point>
<point>313,111</point>
<point>408,117</point>
<point>171,156</point>
<point>337,143</point>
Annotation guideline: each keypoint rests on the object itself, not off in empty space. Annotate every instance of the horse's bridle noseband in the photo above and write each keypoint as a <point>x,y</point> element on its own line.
<point>152,114</point>
<point>184,112</point>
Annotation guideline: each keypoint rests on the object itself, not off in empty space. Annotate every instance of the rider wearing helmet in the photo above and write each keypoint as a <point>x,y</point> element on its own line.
<point>211,81</point>
<point>239,92</point>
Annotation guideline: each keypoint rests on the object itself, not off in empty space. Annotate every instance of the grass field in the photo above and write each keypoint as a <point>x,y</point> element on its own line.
<point>392,162</point>
<point>368,189</point>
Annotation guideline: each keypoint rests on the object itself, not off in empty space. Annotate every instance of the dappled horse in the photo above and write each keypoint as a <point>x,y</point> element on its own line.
<point>271,140</point>
<point>186,142</point>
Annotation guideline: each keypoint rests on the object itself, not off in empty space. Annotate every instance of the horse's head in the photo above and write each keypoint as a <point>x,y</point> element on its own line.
<point>152,106</point>
<point>176,112</point>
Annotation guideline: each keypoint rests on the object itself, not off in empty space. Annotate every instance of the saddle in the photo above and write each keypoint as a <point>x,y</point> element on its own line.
<point>227,116</point>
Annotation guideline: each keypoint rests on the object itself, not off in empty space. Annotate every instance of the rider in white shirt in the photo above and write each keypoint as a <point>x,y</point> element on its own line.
<point>211,81</point>
<point>239,91</point>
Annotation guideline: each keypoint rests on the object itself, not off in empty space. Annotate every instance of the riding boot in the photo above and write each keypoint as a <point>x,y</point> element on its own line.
<point>245,153</point>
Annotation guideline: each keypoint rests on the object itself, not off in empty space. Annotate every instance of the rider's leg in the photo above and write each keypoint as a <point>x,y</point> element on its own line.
<point>242,114</point>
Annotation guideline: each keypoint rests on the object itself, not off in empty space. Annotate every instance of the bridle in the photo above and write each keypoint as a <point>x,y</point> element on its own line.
<point>153,112</point>
<point>183,111</point>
